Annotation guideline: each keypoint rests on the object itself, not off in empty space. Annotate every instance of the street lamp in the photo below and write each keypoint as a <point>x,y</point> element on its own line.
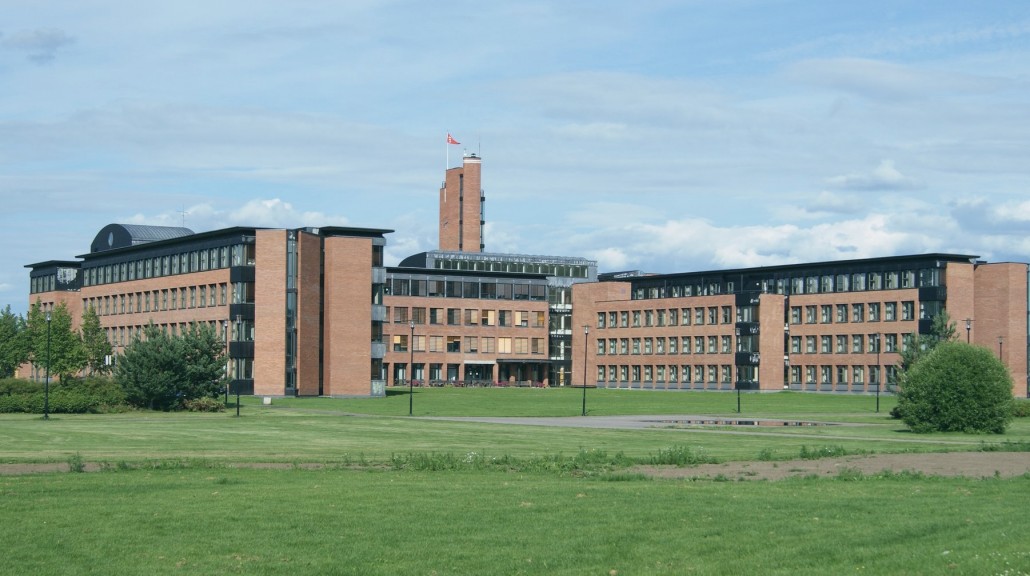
<point>46,385</point>
<point>877,373</point>
<point>969,326</point>
<point>239,336</point>
<point>411,364</point>
<point>586,336</point>
<point>1001,340</point>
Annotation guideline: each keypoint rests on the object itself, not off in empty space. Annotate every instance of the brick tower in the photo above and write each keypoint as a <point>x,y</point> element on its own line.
<point>461,208</point>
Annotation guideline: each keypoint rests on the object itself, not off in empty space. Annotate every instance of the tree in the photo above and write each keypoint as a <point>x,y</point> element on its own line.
<point>67,356</point>
<point>94,343</point>
<point>942,329</point>
<point>956,387</point>
<point>161,372</point>
<point>14,342</point>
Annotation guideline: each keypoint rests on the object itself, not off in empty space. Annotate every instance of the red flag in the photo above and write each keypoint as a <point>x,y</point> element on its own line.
<point>451,140</point>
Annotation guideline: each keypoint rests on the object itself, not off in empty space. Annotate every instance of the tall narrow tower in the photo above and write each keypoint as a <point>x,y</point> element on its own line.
<point>461,208</point>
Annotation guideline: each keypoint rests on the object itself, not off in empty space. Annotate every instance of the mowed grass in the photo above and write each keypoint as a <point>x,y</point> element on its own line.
<point>172,500</point>
<point>489,522</point>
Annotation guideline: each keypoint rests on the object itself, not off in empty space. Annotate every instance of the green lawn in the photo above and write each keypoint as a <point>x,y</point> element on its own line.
<point>170,501</point>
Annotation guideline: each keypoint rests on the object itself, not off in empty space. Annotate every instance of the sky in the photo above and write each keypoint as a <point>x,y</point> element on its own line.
<point>652,135</point>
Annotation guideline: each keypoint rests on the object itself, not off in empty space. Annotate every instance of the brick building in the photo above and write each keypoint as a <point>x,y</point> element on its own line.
<point>829,326</point>
<point>313,295</point>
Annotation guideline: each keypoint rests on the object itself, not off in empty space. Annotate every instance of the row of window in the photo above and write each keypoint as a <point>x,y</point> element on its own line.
<point>559,270</point>
<point>485,289</point>
<point>698,316</point>
<point>712,373</point>
<point>850,343</point>
<point>843,374</point>
<point>467,317</point>
<point>234,331</point>
<point>665,345</point>
<point>470,344</point>
<point>814,284</point>
<point>170,265</point>
<point>857,312</point>
<point>179,298</point>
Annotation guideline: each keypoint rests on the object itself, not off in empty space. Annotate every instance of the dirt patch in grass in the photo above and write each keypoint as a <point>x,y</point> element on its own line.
<point>967,464</point>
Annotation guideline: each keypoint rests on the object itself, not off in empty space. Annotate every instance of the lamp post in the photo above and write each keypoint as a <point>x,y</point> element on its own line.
<point>877,373</point>
<point>1001,340</point>
<point>46,384</point>
<point>969,326</point>
<point>411,364</point>
<point>586,336</point>
<point>239,335</point>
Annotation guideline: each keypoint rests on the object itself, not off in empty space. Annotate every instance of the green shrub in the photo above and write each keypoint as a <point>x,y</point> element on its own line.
<point>1021,408</point>
<point>957,388</point>
<point>681,456</point>
<point>204,404</point>
<point>73,396</point>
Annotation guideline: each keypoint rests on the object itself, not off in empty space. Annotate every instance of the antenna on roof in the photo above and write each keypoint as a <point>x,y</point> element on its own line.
<point>183,212</point>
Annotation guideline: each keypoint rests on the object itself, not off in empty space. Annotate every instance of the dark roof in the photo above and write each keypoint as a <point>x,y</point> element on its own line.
<point>124,235</point>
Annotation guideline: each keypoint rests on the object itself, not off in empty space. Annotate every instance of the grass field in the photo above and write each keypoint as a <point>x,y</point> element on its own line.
<point>400,495</point>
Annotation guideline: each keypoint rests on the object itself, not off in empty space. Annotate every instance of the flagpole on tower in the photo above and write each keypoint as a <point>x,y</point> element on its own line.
<point>450,141</point>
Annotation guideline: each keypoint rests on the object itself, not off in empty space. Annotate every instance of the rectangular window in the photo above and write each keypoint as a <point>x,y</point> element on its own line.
<point>623,319</point>
<point>810,344</point>
<point>436,343</point>
<point>699,344</point>
<point>453,316</point>
<point>842,313</point>
<point>826,314</point>
<point>600,319</point>
<point>908,310</point>
<point>539,319</point>
<point>649,318</point>
<point>699,316</point>
<point>537,346</point>
<point>795,344</point>
<point>727,314</point>
<point>636,318</point>
<point>472,317</point>
<point>824,344</point>
<point>673,345</point>
<point>436,315</point>
<point>890,311</point>
<point>400,315</point>
<point>858,375</point>
<point>636,346</point>
<point>418,315</point>
<point>842,344</point>
<point>624,346</point>
<point>648,346</point>
<point>874,311</point>
<point>726,344</point>
<point>471,344</point>
<point>857,341</point>
<point>891,343</point>
<point>522,345</point>
<point>713,343</point>
<point>489,344</point>
<point>713,315</point>
<point>857,312</point>
<point>400,343</point>
<point>809,314</point>
<point>454,343</point>
<point>659,345</point>
<point>685,316</point>
<point>795,315</point>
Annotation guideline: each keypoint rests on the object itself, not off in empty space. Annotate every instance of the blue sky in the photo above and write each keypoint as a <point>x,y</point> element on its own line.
<point>654,135</point>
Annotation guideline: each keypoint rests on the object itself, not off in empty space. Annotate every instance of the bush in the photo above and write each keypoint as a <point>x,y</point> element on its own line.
<point>957,388</point>
<point>90,395</point>
<point>1021,408</point>
<point>205,404</point>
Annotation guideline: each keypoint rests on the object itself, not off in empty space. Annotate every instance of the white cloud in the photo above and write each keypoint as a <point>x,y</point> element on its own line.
<point>883,177</point>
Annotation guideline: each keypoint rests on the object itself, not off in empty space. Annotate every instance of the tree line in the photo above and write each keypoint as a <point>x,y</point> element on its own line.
<point>156,370</point>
